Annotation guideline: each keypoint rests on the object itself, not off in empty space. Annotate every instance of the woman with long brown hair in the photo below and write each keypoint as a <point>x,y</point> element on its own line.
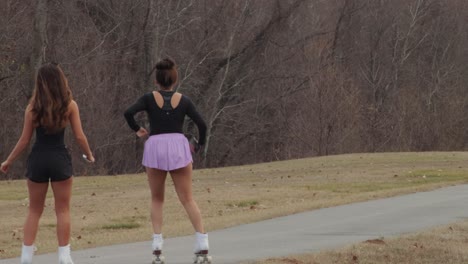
<point>49,111</point>
<point>168,150</point>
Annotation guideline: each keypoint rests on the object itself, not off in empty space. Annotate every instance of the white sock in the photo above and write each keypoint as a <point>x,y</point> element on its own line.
<point>64,251</point>
<point>27,253</point>
<point>201,242</point>
<point>64,255</point>
<point>157,242</point>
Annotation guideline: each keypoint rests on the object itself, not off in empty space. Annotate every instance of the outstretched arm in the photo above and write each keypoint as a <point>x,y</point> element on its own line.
<point>77,129</point>
<point>23,141</point>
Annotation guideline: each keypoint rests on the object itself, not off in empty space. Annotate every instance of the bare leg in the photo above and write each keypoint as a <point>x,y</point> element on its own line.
<point>182,179</point>
<point>62,194</point>
<point>156,181</point>
<point>37,196</point>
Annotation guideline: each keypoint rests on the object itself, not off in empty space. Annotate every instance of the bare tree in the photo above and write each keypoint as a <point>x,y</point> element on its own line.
<point>39,39</point>
<point>273,79</point>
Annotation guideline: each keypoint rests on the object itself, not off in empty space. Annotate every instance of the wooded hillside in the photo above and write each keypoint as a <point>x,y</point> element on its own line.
<point>274,79</point>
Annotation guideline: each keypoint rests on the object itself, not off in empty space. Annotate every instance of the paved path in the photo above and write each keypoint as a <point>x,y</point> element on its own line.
<point>304,232</point>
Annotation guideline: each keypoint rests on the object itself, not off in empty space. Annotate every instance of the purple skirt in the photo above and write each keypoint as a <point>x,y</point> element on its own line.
<point>167,152</point>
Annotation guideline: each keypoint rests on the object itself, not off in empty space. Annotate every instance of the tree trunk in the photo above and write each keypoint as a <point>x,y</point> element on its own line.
<point>39,40</point>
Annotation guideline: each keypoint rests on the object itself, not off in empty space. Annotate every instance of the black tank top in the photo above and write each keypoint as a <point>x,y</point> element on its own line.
<point>45,141</point>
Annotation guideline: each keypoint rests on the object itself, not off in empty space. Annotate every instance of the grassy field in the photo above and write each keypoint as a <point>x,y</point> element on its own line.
<point>115,209</point>
<point>447,244</point>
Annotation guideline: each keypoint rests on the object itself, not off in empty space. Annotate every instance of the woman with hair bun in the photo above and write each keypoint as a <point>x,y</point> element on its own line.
<point>168,150</point>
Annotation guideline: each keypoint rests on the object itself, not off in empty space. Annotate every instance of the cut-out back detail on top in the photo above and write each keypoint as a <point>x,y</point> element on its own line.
<point>167,100</point>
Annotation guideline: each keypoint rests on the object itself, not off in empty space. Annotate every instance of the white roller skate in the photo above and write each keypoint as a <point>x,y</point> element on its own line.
<point>64,255</point>
<point>65,260</point>
<point>201,249</point>
<point>27,253</point>
<point>157,245</point>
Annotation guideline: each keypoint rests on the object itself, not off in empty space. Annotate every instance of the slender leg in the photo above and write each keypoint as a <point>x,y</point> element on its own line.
<point>62,195</point>
<point>37,196</point>
<point>156,181</point>
<point>182,179</point>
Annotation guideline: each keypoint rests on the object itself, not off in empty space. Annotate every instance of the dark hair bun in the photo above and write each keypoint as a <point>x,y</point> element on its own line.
<point>165,64</point>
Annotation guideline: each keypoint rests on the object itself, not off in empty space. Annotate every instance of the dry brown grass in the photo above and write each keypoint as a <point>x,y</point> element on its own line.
<point>447,244</point>
<point>115,209</point>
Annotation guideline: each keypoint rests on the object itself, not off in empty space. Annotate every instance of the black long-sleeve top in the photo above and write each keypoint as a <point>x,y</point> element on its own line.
<point>166,121</point>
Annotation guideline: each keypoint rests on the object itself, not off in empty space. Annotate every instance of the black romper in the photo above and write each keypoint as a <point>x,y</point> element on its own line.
<point>49,158</point>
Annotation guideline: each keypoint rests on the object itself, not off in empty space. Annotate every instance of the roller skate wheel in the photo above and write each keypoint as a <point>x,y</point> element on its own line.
<point>159,260</point>
<point>209,259</point>
<point>198,260</point>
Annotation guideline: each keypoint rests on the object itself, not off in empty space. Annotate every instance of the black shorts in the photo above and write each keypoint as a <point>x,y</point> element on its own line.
<point>49,165</point>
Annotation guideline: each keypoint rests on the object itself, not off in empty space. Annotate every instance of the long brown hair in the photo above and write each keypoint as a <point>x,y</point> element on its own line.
<point>51,98</point>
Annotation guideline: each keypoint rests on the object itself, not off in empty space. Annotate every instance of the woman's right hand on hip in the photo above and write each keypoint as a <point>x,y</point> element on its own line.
<point>142,133</point>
